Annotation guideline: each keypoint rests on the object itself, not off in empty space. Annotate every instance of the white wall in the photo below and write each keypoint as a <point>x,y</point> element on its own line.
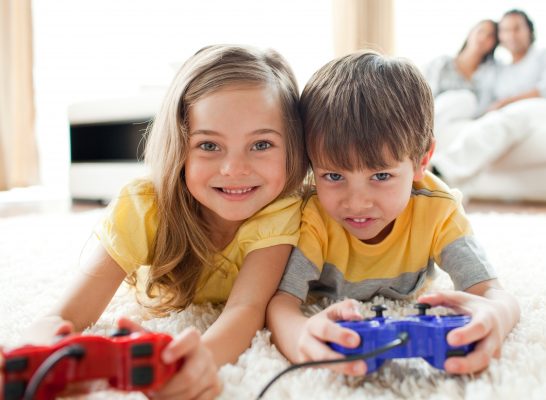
<point>428,28</point>
<point>101,49</point>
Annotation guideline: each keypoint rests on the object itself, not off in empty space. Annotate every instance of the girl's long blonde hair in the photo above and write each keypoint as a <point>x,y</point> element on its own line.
<point>183,249</point>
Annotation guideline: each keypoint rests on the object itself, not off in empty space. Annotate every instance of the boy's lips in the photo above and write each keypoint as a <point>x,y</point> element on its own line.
<point>359,222</point>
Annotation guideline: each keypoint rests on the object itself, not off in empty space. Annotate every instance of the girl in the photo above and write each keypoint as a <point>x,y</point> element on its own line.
<point>218,217</point>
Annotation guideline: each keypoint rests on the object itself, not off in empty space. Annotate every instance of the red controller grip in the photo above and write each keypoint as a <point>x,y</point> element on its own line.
<point>130,363</point>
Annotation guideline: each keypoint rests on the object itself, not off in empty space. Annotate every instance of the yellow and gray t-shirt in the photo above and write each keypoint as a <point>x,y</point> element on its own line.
<point>433,228</point>
<point>129,229</point>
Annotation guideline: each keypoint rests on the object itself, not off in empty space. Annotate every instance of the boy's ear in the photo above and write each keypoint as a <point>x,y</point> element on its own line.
<point>423,164</point>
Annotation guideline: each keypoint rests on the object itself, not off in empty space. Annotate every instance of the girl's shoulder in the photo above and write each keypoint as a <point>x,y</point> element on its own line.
<point>137,196</point>
<point>279,206</point>
<point>280,218</point>
<point>139,187</point>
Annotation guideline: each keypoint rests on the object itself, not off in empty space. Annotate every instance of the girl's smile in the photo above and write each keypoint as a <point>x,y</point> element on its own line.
<point>236,163</point>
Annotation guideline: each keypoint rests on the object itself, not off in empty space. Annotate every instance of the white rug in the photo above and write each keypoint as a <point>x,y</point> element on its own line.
<point>39,255</point>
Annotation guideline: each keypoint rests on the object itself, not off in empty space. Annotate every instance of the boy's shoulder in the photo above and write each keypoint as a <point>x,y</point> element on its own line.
<point>433,203</point>
<point>433,189</point>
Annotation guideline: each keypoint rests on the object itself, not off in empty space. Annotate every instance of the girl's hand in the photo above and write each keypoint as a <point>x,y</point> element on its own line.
<point>488,326</point>
<point>47,330</point>
<point>1,373</point>
<point>198,376</point>
<point>322,328</point>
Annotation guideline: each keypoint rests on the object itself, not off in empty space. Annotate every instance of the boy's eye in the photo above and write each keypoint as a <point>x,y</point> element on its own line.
<point>260,146</point>
<point>382,176</point>
<point>208,146</point>
<point>332,176</point>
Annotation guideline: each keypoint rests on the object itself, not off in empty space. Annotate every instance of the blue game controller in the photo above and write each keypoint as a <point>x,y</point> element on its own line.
<point>426,337</point>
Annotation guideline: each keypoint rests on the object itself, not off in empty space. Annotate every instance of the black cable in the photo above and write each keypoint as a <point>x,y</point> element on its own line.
<point>402,339</point>
<point>75,351</point>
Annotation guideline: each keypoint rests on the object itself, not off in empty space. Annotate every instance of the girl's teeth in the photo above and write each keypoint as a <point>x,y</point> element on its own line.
<point>359,220</point>
<point>236,191</point>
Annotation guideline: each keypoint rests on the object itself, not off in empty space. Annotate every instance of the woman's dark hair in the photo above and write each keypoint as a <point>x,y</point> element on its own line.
<point>489,54</point>
<point>525,17</point>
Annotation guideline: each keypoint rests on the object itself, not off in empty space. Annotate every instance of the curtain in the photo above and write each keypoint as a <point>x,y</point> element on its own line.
<point>363,24</point>
<point>18,148</point>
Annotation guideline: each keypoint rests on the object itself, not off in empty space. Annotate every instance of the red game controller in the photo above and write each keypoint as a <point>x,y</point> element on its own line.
<point>129,361</point>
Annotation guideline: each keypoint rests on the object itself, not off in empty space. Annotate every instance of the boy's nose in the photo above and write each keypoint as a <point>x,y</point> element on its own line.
<point>357,201</point>
<point>235,165</point>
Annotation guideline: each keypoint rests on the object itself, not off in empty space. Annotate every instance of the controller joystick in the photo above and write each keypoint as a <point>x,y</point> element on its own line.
<point>121,332</point>
<point>427,337</point>
<point>422,308</point>
<point>129,361</point>
<point>378,310</point>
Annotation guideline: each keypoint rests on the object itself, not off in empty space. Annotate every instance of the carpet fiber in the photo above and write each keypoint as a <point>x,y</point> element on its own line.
<point>40,254</point>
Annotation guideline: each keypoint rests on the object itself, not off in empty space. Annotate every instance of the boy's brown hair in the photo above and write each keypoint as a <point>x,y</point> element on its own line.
<point>358,106</point>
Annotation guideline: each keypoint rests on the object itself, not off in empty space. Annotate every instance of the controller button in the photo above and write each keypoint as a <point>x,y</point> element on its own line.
<point>455,353</point>
<point>142,376</point>
<point>14,390</point>
<point>142,350</point>
<point>422,307</point>
<point>16,364</point>
<point>121,332</point>
<point>378,310</point>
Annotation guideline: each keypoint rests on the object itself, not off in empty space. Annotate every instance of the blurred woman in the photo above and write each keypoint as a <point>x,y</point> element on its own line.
<point>471,71</point>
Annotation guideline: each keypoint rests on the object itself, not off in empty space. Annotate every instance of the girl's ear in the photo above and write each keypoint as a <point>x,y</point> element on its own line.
<point>423,164</point>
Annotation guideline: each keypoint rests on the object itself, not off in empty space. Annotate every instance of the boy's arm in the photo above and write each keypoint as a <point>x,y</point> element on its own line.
<point>286,322</point>
<point>303,339</point>
<point>494,313</point>
<point>244,313</point>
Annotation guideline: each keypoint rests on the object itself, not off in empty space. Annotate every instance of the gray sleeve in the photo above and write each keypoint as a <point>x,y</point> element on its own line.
<point>466,263</point>
<point>433,73</point>
<point>484,81</point>
<point>297,275</point>
<point>541,85</point>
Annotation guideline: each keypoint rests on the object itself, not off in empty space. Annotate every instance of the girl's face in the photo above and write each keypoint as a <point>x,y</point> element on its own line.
<point>236,163</point>
<point>482,38</point>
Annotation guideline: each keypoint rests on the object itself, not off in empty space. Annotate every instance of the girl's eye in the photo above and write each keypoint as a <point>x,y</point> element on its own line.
<point>332,176</point>
<point>382,176</point>
<point>208,146</point>
<point>261,146</point>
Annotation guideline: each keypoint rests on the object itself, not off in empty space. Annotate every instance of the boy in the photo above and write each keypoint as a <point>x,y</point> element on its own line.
<point>379,221</point>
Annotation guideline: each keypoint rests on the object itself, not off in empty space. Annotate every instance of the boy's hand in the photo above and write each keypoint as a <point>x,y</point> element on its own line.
<point>488,326</point>
<point>198,377</point>
<point>322,328</point>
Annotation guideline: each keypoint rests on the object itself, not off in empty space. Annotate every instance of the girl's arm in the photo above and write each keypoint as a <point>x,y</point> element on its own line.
<point>84,302</point>
<point>244,313</point>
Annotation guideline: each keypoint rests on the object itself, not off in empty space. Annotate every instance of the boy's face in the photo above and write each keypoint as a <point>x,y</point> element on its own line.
<point>366,202</point>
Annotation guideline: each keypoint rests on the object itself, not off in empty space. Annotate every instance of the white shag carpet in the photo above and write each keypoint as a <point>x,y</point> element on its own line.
<point>39,255</point>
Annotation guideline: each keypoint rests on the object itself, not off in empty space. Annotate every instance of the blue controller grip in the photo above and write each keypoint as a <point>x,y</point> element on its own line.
<point>427,337</point>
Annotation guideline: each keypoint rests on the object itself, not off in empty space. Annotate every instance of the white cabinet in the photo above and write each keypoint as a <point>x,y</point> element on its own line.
<point>107,140</point>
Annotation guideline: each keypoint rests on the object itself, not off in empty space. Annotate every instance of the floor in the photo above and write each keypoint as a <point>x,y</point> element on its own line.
<point>505,207</point>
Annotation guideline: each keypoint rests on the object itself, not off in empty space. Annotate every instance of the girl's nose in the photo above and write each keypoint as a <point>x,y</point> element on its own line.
<point>235,164</point>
